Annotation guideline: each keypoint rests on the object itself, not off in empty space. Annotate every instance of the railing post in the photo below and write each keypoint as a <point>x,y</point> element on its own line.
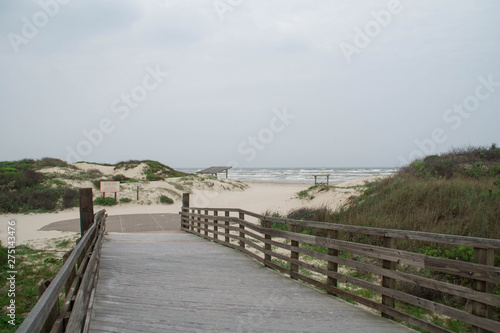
<point>86,209</point>
<point>483,257</point>
<point>242,234</point>
<point>332,266</point>
<point>294,268</point>
<point>199,221</point>
<point>72,275</point>
<point>216,229</point>
<point>206,223</point>
<point>185,209</point>
<point>267,257</point>
<point>388,282</point>
<point>226,230</point>
<point>54,313</point>
<point>192,219</point>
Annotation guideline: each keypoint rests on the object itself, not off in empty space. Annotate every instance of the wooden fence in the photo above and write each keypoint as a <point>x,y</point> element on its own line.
<point>78,277</point>
<point>353,262</point>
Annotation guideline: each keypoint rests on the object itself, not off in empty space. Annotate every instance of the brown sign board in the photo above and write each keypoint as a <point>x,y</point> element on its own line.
<point>110,187</point>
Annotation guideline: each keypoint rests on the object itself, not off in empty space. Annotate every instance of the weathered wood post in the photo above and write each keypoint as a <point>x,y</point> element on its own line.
<point>72,275</point>
<point>54,313</point>
<point>294,268</point>
<point>206,222</point>
<point>199,221</point>
<point>226,230</point>
<point>185,210</point>
<point>86,209</point>
<point>388,282</point>
<point>332,266</point>
<point>216,229</point>
<point>267,256</point>
<point>483,257</point>
<point>242,228</point>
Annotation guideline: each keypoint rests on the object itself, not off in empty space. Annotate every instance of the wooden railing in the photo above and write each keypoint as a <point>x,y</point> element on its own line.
<point>339,257</point>
<point>78,277</point>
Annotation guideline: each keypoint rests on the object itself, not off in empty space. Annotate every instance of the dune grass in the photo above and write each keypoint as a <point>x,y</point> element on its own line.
<point>454,193</point>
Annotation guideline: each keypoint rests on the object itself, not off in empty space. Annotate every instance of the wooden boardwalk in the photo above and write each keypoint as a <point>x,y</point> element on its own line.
<point>177,282</point>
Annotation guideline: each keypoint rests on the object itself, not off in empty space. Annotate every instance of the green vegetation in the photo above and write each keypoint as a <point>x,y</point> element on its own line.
<point>26,185</point>
<point>166,200</point>
<point>312,191</point>
<point>100,201</point>
<point>33,267</point>
<point>23,189</point>
<point>154,171</point>
<point>453,193</point>
<point>70,198</point>
<point>125,200</point>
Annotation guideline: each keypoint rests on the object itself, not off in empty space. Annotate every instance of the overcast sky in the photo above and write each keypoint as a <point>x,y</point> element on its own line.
<point>251,83</point>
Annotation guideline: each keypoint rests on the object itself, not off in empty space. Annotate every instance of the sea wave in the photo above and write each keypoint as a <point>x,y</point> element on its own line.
<point>299,175</point>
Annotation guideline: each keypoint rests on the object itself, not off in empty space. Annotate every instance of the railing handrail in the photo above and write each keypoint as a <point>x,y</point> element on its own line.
<point>37,317</point>
<point>485,243</point>
<point>223,226</point>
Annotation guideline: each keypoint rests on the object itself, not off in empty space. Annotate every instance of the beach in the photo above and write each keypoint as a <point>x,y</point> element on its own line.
<point>258,197</point>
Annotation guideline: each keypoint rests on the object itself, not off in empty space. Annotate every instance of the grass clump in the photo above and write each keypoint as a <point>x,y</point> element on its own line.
<point>310,193</point>
<point>100,201</point>
<point>154,169</point>
<point>166,200</point>
<point>125,200</point>
<point>33,267</point>
<point>23,189</point>
<point>457,193</point>
<point>70,198</point>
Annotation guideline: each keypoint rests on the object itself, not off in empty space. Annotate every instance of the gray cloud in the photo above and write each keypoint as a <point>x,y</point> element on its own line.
<point>226,77</point>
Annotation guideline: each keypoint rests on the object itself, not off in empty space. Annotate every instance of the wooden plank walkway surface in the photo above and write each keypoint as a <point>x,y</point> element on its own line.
<point>177,282</point>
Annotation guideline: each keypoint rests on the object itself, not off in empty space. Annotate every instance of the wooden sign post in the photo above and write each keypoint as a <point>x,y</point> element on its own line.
<point>138,185</point>
<point>110,187</point>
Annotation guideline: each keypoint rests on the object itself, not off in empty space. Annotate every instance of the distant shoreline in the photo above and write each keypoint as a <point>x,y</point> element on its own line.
<point>257,197</point>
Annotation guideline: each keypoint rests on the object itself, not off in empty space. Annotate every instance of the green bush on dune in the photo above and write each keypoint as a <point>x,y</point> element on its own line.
<point>100,201</point>
<point>166,200</point>
<point>24,189</point>
<point>454,193</point>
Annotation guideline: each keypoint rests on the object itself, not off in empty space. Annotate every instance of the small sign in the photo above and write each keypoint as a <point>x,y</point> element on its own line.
<point>110,187</point>
<point>137,185</point>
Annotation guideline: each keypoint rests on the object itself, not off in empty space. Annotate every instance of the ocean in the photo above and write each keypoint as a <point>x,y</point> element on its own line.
<point>299,175</point>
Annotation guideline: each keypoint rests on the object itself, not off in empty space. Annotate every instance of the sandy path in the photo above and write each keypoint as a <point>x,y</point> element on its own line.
<point>258,198</point>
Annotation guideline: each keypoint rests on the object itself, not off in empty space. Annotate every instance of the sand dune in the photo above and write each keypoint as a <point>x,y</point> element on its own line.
<point>256,197</point>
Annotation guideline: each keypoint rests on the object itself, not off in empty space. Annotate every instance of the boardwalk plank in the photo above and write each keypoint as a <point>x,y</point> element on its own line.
<point>179,282</point>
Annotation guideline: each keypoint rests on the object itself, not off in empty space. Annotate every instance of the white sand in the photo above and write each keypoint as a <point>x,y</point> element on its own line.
<point>257,197</point>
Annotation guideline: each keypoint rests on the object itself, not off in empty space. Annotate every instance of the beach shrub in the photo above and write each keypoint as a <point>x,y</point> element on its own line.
<point>125,200</point>
<point>120,178</point>
<point>49,162</point>
<point>30,199</point>
<point>100,201</point>
<point>70,196</point>
<point>152,177</point>
<point>3,256</point>
<point>166,200</point>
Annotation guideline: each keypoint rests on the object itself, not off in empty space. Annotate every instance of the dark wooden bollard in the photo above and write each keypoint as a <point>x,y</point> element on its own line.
<point>185,209</point>
<point>86,209</point>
